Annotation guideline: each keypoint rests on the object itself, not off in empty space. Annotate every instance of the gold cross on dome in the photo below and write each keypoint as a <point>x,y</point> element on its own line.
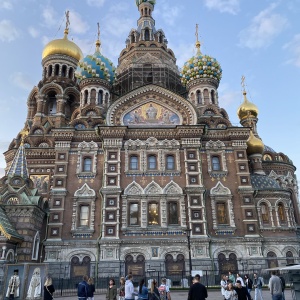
<point>197,33</point>
<point>67,19</point>
<point>243,82</point>
<point>98,31</point>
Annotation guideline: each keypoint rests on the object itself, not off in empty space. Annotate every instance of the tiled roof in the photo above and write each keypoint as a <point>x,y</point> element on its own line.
<point>260,182</point>
<point>19,165</point>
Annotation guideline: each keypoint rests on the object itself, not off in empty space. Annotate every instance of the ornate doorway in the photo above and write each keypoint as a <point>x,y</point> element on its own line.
<point>272,260</point>
<point>174,267</point>
<point>226,265</point>
<point>135,268</point>
<point>78,269</point>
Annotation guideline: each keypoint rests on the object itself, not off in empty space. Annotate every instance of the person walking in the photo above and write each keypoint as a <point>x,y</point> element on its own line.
<point>239,277</point>
<point>282,284</point>
<point>143,290</point>
<point>230,293</point>
<point>164,290</point>
<point>111,293</point>
<point>223,285</point>
<point>241,291</point>
<point>231,277</point>
<point>275,286</point>
<point>197,290</point>
<point>91,289</point>
<point>154,293</point>
<point>82,290</point>
<point>48,289</point>
<point>122,289</point>
<point>257,284</point>
<point>129,289</point>
<point>248,284</point>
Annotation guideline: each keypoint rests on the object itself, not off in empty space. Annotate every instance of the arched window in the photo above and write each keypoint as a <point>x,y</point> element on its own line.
<point>170,162</point>
<point>147,35</point>
<point>100,97</point>
<point>64,71</point>
<point>86,94</point>
<point>50,71</point>
<point>199,97</point>
<point>133,214</point>
<point>45,73</point>
<point>36,246</point>
<point>281,213</point>
<point>132,38</point>
<point>52,104</point>
<point>87,164</point>
<point>84,215</point>
<point>222,213</point>
<point>71,73</point>
<point>216,163</point>
<point>56,70</point>
<point>264,213</point>
<point>134,162</point>
<point>153,215</point>
<point>290,258</point>
<point>212,95</point>
<point>152,165</point>
<point>146,11</point>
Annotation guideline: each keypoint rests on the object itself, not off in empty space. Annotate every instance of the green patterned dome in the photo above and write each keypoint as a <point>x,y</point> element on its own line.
<point>200,66</point>
<point>139,2</point>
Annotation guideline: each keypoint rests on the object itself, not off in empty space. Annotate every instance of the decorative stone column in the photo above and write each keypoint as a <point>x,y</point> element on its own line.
<point>3,252</point>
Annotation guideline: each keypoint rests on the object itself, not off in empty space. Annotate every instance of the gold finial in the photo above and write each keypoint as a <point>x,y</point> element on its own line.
<point>24,133</point>
<point>243,84</point>
<point>98,43</point>
<point>67,22</point>
<point>198,44</point>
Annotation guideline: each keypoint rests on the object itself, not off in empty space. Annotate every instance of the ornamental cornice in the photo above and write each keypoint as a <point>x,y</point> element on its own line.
<point>58,58</point>
<point>40,152</point>
<point>63,134</point>
<point>94,81</point>
<point>151,93</point>
<point>201,81</point>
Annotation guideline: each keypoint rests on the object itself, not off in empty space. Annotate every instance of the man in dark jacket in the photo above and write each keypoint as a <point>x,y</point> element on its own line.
<point>197,290</point>
<point>241,291</point>
<point>82,291</point>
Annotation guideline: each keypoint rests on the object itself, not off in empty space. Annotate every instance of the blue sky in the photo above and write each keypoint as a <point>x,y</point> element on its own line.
<point>258,39</point>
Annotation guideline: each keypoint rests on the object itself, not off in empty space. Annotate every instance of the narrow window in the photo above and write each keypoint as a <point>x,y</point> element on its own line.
<point>212,95</point>
<point>199,98</point>
<point>71,72</point>
<point>56,70</point>
<point>134,162</point>
<point>134,214</point>
<point>173,213</point>
<point>100,97</point>
<point>87,164</point>
<point>264,213</point>
<point>49,71</point>
<point>153,218</point>
<point>216,163</point>
<point>147,35</point>
<point>170,162</point>
<point>86,94</point>
<point>152,162</point>
<point>84,215</point>
<point>281,213</point>
<point>64,71</point>
<point>221,213</point>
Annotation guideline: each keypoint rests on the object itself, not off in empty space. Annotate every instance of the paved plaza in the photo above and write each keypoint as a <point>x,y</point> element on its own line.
<point>212,295</point>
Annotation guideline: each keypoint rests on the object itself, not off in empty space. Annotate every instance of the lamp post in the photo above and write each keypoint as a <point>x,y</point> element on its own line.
<point>188,235</point>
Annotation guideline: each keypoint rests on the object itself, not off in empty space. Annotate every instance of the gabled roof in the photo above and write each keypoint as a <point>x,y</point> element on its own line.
<point>7,229</point>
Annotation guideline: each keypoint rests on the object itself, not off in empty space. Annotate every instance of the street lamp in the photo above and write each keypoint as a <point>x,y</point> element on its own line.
<point>188,235</point>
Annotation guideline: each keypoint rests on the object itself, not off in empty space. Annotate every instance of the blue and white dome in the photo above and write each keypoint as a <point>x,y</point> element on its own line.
<point>96,66</point>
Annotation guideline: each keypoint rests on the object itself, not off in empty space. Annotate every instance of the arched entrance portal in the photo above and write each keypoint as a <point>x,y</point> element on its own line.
<point>78,268</point>
<point>174,267</point>
<point>135,268</point>
<point>226,265</point>
<point>272,260</point>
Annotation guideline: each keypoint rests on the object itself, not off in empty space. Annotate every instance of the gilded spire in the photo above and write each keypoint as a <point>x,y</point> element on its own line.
<point>67,23</point>
<point>198,44</point>
<point>24,133</point>
<point>98,43</point>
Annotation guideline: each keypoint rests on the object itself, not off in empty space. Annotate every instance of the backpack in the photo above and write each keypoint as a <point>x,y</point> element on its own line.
<point>162,292</point>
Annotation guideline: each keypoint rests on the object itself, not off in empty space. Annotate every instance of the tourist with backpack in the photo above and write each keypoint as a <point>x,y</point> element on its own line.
<point>164,290</point>
<point>257,284</point>
<point>248,283</point>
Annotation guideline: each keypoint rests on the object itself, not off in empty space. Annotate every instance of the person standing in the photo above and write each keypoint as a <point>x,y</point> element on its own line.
<point>13,290</point>
<point>129,289</point>
<point>82,290</point>
<point>48,289</point>
<point>154,293</point>
<point>122,289</point>
<point>197,290</point>
<point>143,290</point>
<point>241,291</point>
<point>230,293</point>
<point>164,290</point>
<point>238,277</point>
<point>275,286</point>
<point>248,284</point>
<point>282,284</point>
<point>224,285</point>
<point>231,277</point>
<point>257,284</point>
<point>111,293</point>
<point>91,289</point>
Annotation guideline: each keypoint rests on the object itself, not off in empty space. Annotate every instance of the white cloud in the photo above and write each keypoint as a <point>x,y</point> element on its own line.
<point>97,3</point>
<point>77,24</point>
<point>263,29</point>
<point>228,97</point>
<point>22,81</point>
<point>8,32</point>
<point>182,51</point>
<point>33,32</point>
<point>6,5</point>
<point>294,48</point>
<point>49,17</point>
<point>169,13</point>
<point>223,6</point>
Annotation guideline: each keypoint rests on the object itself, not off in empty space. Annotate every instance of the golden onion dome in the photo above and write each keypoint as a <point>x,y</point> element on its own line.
<point>63,46</point>
<point>255,145</point>
<point>247,109</point>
